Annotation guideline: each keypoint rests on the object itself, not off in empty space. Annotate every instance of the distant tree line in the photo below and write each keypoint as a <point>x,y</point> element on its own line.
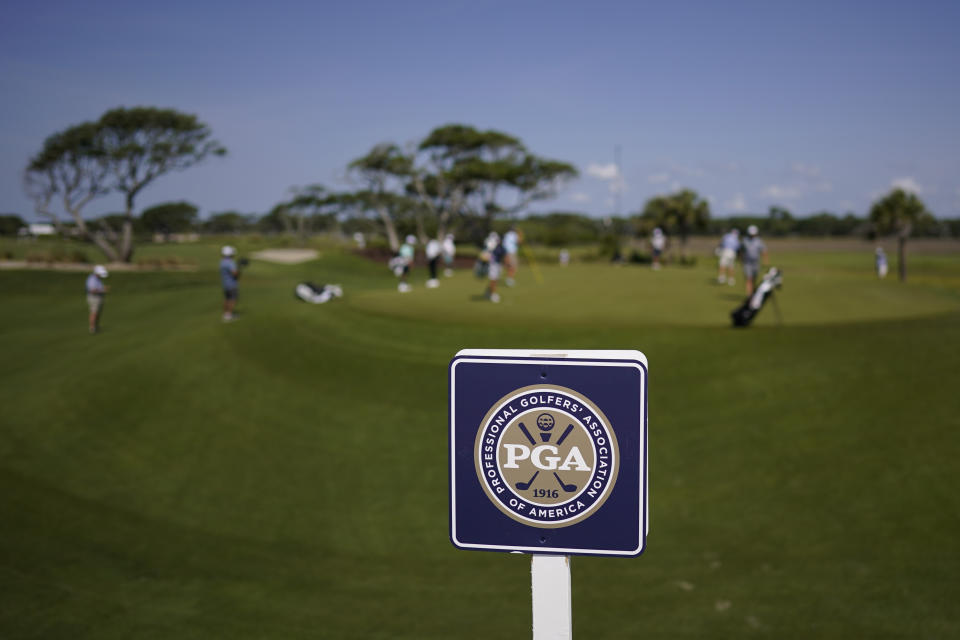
<point>456,178</point>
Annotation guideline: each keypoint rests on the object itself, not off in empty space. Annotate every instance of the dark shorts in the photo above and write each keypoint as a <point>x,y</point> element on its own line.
<point>229,294</point>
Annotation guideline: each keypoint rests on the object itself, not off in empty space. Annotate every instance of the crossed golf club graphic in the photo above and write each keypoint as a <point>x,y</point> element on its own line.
<point>545,422</point>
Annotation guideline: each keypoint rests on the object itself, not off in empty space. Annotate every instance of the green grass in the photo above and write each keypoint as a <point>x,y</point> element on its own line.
<point>285,476</point>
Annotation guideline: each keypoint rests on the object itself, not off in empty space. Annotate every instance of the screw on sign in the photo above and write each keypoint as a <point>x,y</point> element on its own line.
<point>548,456</point>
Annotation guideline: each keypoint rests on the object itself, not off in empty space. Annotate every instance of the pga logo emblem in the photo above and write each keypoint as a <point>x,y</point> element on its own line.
<point>546,456</point>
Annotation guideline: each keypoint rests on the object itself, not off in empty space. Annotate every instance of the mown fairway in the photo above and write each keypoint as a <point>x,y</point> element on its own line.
<point>285,476</point>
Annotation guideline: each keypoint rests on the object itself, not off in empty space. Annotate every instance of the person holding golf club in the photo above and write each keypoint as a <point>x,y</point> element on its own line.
<point>729,246</point>
<point>494,251</point>
<point>754,250</point>
<point>403,261</point>
<point>511,247</point>
<point>96,290</point>
<point>433,251</point>
<point>229,273</point>
<point>658,242</point>
<point>449,251</point>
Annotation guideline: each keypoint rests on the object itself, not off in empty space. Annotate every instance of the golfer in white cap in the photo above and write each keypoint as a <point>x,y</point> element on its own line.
<point>228,278</point>
<point>96,290</point>
<point>753,250</point>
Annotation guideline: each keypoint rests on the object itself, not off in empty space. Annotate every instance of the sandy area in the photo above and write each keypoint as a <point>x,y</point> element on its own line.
<point>80,266</point>
<point>286,256</point>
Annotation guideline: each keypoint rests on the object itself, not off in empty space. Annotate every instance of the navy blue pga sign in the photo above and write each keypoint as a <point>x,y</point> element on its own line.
<point>548,452</point>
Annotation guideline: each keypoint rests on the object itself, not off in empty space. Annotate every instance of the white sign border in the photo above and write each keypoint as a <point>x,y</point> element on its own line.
<point>603,358</point>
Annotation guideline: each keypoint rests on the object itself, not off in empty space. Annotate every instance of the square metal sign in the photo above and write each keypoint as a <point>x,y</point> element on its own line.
<point>548,451</point>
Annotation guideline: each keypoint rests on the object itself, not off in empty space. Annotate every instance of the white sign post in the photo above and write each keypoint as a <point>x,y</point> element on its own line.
<point>552,602</point>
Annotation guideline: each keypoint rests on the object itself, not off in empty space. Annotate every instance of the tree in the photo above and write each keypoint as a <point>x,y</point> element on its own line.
<point>124,151</point>
<point>143,143</point>
<point>897,213</point>
<point>72,169</point>
<point>781,222</point>
<point>461,170</point>
<point>10,224</point>
<point>228,222</point>
<point>384,172</point>
<point>680,213</point>
<point>169,217</point>
<point>311,208</point>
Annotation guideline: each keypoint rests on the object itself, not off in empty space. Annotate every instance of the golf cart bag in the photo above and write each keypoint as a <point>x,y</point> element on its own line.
<point>309,292</point>
<point>743,315</point>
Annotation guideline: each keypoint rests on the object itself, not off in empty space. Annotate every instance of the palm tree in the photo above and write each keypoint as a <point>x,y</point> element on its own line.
<point>680,212</point>
<point>898,212</point>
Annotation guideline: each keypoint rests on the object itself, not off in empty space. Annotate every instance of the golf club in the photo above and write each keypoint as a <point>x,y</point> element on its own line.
<point>527,433</point>
<point>569,488</point>
<point>523,486</point>
<point>566,432</point>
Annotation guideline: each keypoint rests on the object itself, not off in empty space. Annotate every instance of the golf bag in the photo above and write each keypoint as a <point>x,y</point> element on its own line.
<point>309,292</point>
<point>743,315</point>
<point>398,264</point>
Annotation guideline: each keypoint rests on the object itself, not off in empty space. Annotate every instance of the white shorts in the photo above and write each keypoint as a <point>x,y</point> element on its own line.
<point>727,258</point>
<point>494,271</point>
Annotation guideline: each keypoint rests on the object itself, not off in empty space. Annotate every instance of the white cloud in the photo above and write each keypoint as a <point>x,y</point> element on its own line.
<point>658,178</point>
<point>617,186</point>
<point>737,204</point>
<point>603,171</point>
<point>908,184</point>
<point>824,186</point>
<point>806,170</point>
<point>580,196</point>
<point>781,193</point>
<point>688,172</point>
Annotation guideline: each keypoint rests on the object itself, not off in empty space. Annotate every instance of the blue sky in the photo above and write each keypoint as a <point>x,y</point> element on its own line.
<point>807,105</point>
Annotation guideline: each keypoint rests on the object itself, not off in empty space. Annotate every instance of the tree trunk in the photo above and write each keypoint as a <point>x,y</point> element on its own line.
<point>421,230</point>
<point>389,228</point>
<point>442,225</point>
<point>96,238</point>
<point>902,257</point>
<point>126,248</point>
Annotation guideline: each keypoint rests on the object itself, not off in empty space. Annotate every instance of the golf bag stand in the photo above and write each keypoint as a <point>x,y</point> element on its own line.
<point>743,315</point>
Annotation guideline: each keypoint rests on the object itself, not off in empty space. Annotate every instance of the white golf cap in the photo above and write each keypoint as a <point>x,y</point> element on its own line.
<point>752,230</point>
<point>411,239</point>
<point>227,250</point>
<point>101,271</point>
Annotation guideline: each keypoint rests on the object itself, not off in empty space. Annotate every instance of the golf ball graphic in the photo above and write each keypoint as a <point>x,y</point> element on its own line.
<point>545,421</point>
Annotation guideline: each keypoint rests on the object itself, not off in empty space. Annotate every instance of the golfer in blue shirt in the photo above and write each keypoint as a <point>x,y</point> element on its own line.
<point>228,278</point>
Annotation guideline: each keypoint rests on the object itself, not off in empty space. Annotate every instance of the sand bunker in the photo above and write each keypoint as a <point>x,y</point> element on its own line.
<point>286,256</point>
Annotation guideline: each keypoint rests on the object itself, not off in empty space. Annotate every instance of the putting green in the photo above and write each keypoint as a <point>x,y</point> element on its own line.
<point>817,290</point>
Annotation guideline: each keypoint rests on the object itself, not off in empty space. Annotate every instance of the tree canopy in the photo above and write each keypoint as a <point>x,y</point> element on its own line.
<point>898,213</point>
<point>122,152</point>
<point>169,217</point>
<point>680,213</point>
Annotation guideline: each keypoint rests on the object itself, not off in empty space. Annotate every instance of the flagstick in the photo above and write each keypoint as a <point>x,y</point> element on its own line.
<point>552,609</point>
